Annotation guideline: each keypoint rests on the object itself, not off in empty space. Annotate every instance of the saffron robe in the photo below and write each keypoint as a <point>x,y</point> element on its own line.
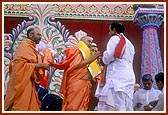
<point>76,91</point>
<point>21,93</point>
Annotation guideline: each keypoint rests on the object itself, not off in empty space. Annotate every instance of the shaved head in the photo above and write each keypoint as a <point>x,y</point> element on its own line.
<point>34,34</point>
<point>87,40</point>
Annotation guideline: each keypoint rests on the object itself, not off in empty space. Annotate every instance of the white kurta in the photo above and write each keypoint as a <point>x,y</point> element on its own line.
<point>160,104</point>
<point>144,97</point>
<point>119,74</point>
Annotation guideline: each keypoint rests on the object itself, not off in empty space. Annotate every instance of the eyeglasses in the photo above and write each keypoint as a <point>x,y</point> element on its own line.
<point>94,50</point>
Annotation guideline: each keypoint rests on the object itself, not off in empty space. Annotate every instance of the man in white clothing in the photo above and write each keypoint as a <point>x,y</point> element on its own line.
<point>160,103</point>
<point>160,84</point>
<point>157,105</point>
<point>117,93</point>
<point>146,94</point>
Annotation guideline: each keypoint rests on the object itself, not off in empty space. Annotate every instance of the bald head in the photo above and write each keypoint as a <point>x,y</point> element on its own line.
<point>34,34</point>
<point>87,40</point>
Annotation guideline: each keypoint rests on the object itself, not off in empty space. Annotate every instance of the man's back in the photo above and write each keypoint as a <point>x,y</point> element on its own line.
<point>129,51</point>
<point>120,70</point>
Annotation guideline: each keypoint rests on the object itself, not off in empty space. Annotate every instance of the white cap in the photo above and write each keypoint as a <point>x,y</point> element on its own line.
<point>80,34</point>
<point>94,44</point>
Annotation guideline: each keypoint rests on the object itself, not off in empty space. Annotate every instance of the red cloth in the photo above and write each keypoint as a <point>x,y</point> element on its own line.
<point>44,81</point>
<point>47,56</point>
<point>120,47</point>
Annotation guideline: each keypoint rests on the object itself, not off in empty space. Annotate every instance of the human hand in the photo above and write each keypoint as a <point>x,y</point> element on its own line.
<point>50,61</point>
<point>43,65</point>
<point>139,105</point>
<point>101,60</point>
<point>148,107</point>
<point>153,103</point>
<point>95,55</point>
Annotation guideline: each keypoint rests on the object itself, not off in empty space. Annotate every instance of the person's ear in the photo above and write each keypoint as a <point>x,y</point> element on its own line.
<point>160,82</point>
<point>30,34</point>
<point>114,30</point>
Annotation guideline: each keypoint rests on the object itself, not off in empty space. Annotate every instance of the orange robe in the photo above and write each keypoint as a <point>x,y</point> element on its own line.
<point>21,93</point>
<point>76,90</point>
<point>47,56</point>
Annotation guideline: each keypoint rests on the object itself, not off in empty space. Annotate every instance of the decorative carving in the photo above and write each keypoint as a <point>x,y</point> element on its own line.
<point>118,10</point>
<point>105,10</point>
<point>42,16</point>
<point>99,11</point>
<point>80,9</point>
<point>67,8</point>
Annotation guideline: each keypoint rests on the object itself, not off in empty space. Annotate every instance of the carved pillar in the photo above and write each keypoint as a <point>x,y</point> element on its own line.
<point>149,19</point>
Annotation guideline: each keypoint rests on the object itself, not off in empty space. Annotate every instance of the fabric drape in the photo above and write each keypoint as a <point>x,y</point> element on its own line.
<point>21,93</point>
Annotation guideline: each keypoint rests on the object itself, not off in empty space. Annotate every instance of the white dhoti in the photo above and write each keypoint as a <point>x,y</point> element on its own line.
<point>111,100</point>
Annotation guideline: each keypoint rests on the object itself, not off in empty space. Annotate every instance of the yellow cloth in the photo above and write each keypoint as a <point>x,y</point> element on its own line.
<point>94,68</point>
<point>84,49</point>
